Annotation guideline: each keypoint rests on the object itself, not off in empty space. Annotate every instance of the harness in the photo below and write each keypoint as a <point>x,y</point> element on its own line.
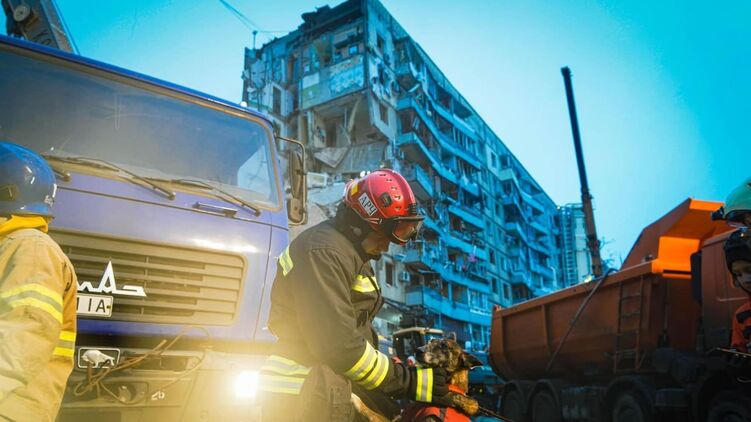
<point>419,411</point>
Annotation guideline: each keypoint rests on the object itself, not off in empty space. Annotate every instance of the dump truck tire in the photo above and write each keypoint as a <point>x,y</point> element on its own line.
<point>512,406</point>
<point>545,408</point>
<point>629,406</point>
<point>730,406</point>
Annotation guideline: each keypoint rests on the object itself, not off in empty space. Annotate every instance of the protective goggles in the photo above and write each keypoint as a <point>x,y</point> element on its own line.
<point>402,229</point>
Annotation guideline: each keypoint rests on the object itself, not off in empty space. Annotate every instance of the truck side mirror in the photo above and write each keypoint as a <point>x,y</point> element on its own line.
<point>297,211</point>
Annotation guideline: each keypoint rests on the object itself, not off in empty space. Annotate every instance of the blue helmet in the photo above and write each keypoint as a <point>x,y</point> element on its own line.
<point>27,183</point>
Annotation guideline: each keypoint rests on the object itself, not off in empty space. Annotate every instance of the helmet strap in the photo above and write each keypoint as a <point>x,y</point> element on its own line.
<point>354,228</point>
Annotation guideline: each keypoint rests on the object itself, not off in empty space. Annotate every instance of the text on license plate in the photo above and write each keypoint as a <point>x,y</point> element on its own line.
<point>94,305</point>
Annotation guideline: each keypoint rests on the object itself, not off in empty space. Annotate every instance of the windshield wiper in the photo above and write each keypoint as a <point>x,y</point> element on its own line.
<point>106,165</point>
<point>220,193</point>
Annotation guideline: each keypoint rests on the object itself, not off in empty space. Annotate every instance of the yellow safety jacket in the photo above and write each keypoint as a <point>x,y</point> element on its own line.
<point>37,321</point>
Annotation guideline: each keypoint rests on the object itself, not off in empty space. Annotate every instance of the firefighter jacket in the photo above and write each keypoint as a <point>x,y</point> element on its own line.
<point>37,321</point>
<point>324,299</point>
<point>741,339</point>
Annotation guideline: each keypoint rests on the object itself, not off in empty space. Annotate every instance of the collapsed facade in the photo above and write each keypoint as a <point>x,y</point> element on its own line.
<point>360,93</point>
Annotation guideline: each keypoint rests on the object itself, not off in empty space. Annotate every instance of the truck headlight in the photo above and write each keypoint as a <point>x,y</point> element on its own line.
<point>246,384</point>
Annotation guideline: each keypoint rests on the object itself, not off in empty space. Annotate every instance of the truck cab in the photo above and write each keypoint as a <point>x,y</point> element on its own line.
<point>171,207</point>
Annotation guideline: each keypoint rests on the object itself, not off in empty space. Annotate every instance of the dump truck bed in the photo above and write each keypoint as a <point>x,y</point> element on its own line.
<point>646,304</point>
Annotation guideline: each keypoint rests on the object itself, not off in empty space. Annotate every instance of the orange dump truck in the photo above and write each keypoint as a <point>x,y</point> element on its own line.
<point>638,350</point>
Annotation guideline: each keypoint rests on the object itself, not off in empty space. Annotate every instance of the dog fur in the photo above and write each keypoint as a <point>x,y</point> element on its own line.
<point>447,354</point>
<point>368,413</point>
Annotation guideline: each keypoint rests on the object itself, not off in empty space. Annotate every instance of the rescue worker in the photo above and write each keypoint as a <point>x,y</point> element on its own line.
<point>738,257</point>
<point>324,299</point>
<point>37,292</point>
<point>737,208</point>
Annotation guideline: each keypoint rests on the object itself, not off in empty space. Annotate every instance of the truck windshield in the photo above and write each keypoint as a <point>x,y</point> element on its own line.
<point>64,110</point>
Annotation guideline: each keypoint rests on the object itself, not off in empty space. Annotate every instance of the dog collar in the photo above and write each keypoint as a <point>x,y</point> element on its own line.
<point>455,388</point>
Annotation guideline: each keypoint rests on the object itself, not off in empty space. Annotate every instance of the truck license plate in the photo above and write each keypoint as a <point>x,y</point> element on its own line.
<point>94,305</point>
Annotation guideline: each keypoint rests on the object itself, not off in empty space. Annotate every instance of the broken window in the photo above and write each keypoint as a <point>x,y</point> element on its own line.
<point>353,49</point>
<point>505,162</point>
<point>384,113</point>
<point>389,274</point>
<point>380,43</point>
<point>277,101</point>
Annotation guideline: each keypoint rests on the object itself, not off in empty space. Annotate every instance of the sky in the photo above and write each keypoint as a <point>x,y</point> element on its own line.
<point>662,88</point>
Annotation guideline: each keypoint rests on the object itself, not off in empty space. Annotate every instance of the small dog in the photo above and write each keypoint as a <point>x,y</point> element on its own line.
<point>447,354</point>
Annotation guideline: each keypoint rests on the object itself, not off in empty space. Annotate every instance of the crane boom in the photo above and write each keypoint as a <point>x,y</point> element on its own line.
<point>589,218</point>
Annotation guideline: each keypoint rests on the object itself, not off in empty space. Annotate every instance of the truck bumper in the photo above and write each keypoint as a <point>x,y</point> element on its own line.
<point>221,388</point>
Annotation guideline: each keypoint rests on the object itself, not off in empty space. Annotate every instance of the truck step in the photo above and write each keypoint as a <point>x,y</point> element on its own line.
<point>630,314</point>
<point>625,297</point>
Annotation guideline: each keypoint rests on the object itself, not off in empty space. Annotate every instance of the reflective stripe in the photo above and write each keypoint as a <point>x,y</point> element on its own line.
<point>378,374</point>
<point>371,369</point>
<point>282,375</point>
<point>68,335</point>
<point>286,262</point>
<point>37,288</point>
<point>63,351</point>
<point>39,304</point>
<point>364,284</point>
<point>66,345</point>
<point>280,384</point>
<point>280,365</point>
<point>363,365</point>
<point>424,390</point>
<point>37,296</point>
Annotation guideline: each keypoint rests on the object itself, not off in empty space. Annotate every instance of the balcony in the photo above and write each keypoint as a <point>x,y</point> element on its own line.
<point>509,174</point>
<point>455,120</point>
<point>544,270</point>
<point>467,214</point>
<point>416,150</point>
<point>539,246</point>
<point>461,241</point>
<point>478,270</point>
<point>407,73</point>
<point>470,186</point>
<point>431,299</point>
<point>447,143</point>
<point>529,199</point>
<point>515,229</point>
<point>421,183</point>
<point>519,276</point>
<point>537,225</point>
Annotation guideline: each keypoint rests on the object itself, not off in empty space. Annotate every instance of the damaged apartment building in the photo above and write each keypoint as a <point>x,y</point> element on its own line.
<point>360,93</point>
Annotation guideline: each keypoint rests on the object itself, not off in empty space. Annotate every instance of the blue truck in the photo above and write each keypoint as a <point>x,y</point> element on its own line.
<point>172,207</point>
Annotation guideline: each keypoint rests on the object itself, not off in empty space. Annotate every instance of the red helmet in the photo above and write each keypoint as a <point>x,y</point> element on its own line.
<point>385,201</point>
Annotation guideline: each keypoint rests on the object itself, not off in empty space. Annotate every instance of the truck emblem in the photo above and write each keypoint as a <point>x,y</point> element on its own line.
<point>108,285</point>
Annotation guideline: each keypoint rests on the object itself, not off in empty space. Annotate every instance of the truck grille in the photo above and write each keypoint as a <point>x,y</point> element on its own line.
<point>182,285</point>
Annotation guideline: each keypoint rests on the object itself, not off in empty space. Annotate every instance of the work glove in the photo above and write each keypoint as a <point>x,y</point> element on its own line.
<point>429,385</point>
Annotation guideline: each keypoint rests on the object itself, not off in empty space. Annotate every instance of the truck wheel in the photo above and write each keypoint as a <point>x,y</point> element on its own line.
<point>545,408</point>
<point>512,406</point>
<point>631,407</point>
<point>730,406</point>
